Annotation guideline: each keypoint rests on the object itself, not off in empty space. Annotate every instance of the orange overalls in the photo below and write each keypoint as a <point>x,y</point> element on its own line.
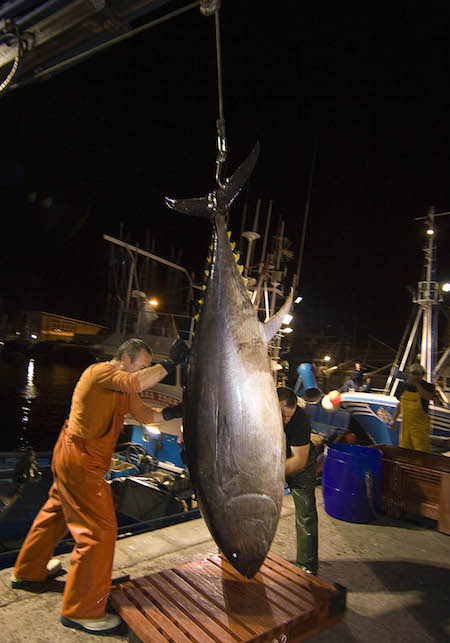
<point>415,429</point>
<point>80,500</point>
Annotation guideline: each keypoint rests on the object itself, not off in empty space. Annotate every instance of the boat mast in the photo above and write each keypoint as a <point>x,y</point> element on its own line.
<point>427,298</point>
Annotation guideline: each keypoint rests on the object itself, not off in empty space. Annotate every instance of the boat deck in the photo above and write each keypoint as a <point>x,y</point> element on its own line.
<point>396,574</point>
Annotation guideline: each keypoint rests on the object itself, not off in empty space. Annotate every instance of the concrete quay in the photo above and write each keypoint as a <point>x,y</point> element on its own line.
<point>397,575</point>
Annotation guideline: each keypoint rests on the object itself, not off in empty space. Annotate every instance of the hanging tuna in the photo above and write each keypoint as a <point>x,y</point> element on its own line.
<point>233,430</point>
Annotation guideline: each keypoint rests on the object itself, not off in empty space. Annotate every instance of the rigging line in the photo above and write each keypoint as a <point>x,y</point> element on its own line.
<point>220,123</point>
<point>219,66</point>
<point>18,57</point>
<point>86,54</point>
<point>305,220</point>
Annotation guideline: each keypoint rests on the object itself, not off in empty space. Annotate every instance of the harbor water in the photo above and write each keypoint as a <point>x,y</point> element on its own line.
<point>35,396</point>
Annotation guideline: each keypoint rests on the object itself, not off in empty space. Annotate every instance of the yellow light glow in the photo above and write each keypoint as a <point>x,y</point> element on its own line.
<point>430,231</point>
<point>327,358</point>
<point>153,302</point>
<point>152,429</point>
<point>446,287</point>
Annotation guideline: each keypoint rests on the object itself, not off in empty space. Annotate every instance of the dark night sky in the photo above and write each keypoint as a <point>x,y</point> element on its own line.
<point>110,137</point>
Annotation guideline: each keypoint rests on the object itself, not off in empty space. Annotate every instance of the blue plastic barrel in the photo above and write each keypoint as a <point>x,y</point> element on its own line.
<point>306,385</point>
<point>351,482</point>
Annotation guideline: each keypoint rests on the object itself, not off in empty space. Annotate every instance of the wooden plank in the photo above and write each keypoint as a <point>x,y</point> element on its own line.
<point>210,602</point>
<point>285,588</point>
<point>244,599</point>
<point>260,579</point>
<point>194,574</point>
<point>125,608</point>
<point>298,584</point>
<point>329,599</point>
<point>154,615</point>
<point>310,579</point>
<point>225,619</point>
<point>193,610</point>
<point>171,609</point>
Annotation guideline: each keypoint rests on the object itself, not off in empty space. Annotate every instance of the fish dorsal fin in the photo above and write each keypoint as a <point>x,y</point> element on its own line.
<point>273,325</point>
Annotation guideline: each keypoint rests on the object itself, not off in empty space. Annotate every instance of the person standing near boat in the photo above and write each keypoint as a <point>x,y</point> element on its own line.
<point>414,395</point>
<point>80,499</point>
<point>301,477</point>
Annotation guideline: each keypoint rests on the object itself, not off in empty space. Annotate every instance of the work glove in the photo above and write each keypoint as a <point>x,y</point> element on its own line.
<point>172,412</point>
<point>179,352</point>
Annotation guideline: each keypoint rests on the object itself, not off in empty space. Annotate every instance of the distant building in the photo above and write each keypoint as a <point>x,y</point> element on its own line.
<point>49,327</point>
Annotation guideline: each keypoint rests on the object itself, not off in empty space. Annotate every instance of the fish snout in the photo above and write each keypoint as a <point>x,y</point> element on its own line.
<point>251,521</point>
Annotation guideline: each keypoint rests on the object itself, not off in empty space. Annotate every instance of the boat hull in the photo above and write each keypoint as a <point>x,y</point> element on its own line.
<point>374,412</point>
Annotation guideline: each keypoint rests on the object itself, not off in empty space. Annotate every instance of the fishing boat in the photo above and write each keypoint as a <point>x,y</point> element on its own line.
<point>373,412</point>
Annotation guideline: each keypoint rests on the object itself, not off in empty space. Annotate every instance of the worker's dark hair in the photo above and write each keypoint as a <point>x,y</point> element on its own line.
<point>132,348</point>
<point>287,396</point>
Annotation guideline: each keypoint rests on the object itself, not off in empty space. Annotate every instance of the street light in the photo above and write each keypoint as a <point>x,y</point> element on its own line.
<point>327,358</point>
<point>153,302</point>
<point>446,287</point>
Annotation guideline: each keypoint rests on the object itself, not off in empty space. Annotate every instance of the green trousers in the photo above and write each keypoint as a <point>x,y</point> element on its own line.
<point>303,486</point>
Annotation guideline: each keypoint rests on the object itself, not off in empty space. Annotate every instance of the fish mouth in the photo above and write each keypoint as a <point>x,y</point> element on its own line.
<point>251,521</point>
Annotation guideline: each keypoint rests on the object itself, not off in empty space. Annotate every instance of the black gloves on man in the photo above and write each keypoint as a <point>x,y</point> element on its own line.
<point>179,352</point>
<point>172,412</point>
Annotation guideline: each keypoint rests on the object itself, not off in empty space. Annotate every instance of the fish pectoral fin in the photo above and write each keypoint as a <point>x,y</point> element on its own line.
<point>273,325</point>
<point>226,466</point>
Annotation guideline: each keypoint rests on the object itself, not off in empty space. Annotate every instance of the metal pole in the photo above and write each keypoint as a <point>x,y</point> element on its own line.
<point>305,218</point>
<point>266,234</point>
<point>406,353</point>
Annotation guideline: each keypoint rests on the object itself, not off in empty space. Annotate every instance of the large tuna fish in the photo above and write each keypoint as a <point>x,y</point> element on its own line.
<point>233,429</point>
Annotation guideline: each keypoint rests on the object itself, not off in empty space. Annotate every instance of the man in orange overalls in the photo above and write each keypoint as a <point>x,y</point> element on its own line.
<point>80,499</point>
<point>414,400</point>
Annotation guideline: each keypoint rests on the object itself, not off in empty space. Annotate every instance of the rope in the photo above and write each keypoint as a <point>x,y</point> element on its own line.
<point>220,123</point>
<point>12,30</point>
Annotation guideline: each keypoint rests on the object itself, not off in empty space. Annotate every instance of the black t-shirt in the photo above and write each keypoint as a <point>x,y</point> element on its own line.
<point>404,386</point>
<point>297,430</point>
<point>357,376</point>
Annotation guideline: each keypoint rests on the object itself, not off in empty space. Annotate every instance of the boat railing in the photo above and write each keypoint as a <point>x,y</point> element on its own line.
<point>160,324</point>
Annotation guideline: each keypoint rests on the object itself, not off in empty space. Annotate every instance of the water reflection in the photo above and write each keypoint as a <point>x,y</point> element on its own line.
<point>30,391</point>
<point>35,395</point>
<point>27,395</point>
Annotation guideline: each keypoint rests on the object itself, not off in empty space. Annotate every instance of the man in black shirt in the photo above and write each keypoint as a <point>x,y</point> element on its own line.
<point>301,477</point>
<point>414,395</point>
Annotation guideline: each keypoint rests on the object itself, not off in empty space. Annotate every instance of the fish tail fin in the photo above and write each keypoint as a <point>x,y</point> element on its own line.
<point>199,207</point>
<point>221,199</point>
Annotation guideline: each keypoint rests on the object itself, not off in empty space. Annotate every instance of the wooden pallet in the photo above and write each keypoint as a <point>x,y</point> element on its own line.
<point>416,482</point>
<point>208,600</point>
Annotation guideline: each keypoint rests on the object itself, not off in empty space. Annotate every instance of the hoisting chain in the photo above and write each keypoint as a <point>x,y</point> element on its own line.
<point>11,29</point>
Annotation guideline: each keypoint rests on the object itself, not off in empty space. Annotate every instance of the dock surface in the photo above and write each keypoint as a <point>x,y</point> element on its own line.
<point>396,573</point>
